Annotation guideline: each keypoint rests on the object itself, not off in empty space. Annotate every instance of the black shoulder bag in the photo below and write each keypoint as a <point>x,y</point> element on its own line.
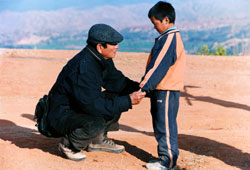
<point>41,113</point>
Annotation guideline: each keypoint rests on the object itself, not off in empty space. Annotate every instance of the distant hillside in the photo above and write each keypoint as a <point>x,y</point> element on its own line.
<point>210,22</point>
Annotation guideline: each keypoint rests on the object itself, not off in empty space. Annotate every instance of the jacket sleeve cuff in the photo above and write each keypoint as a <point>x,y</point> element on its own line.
<point>125,103</point>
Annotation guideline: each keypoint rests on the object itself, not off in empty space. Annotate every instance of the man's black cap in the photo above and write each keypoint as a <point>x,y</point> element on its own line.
<point>102,33</point>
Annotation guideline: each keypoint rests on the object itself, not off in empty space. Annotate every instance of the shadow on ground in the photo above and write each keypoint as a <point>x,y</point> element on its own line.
<point>204,146</point>
<point>24,137</point>
<point>189,98</point>
<point>28,138</point>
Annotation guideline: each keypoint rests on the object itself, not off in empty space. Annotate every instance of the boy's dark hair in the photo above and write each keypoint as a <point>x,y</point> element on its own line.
<point>161,10</point>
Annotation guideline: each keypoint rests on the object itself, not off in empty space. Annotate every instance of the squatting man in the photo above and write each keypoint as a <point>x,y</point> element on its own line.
<point>89,96</point>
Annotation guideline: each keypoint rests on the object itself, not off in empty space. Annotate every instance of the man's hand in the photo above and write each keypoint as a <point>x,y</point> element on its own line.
<point>137,96</point>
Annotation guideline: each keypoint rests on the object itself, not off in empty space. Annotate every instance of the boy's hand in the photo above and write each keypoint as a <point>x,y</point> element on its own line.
<point>137,96</point>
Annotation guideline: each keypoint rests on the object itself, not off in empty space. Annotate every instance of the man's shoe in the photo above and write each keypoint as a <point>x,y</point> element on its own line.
<point>70,154</point>
<point>156,165</point>
<point>106,145</point>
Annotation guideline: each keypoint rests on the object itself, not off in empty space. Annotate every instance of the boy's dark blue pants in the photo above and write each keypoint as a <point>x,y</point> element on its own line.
<point>164,109</point>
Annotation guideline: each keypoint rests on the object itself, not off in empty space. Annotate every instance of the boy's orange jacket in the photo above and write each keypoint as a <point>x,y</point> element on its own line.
<point>166,64</point>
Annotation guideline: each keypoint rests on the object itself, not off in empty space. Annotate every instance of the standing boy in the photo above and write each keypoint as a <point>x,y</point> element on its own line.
<point>163,81</point>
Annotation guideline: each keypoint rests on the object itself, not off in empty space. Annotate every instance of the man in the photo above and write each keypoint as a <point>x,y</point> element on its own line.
<point>80,110</point>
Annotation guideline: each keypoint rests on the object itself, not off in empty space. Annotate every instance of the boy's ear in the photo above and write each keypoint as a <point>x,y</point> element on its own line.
<point>166,20</point>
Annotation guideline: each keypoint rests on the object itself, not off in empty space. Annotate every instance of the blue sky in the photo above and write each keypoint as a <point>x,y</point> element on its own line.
<point>117,12</point>
<point>231,7</point>
<point>22,18</point>
<point>26,5</point>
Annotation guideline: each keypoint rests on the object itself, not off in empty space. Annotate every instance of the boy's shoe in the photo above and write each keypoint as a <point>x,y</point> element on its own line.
<point>70,154</point>
<point>156,165</point>
<point>106,145</point>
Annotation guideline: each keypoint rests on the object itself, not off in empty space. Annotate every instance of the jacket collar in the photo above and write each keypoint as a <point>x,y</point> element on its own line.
<point>168,31</point>
<point>95,54</point>
<point>172,28</point>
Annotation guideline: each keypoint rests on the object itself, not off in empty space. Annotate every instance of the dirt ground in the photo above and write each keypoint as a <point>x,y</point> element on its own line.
<point>213,120</point>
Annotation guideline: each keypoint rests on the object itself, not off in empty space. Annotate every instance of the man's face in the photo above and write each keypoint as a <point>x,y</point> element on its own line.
<point>160,26</point>
<point>109,51</point>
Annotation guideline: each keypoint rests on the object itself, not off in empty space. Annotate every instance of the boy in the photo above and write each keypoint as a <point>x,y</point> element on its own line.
<point>162,82</point>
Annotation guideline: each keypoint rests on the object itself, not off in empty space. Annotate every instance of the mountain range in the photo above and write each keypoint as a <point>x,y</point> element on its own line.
<point>207,22</point>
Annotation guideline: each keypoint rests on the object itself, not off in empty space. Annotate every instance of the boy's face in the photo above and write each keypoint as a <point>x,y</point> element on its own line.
<point>160,26</point>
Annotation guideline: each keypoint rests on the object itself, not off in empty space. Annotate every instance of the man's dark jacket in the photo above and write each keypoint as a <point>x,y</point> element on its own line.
<point>79,89</point>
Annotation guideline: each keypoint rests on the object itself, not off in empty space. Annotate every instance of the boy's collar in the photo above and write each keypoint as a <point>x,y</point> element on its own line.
<point>172,28</point>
